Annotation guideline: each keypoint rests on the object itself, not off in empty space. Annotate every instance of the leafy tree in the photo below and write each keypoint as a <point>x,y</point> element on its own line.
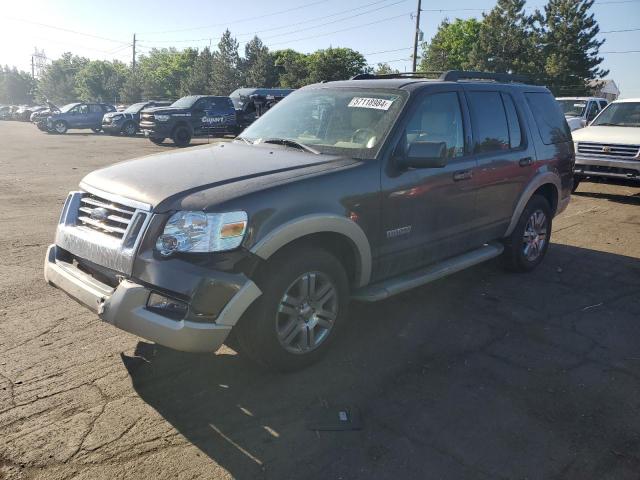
<point>16,87</point>
<point>101,80</point>
<point>570,47</point>
<point>198,79</point>
<point>225,73</point>
<point>293,68</point>
<point>451,46</point>
<point>335,64</point>
<point>58,81</point>
<point>131,91</point>
<point>507,40</point>
<point>385,69</point>
<point>162,72</point>
<point>258,65</point>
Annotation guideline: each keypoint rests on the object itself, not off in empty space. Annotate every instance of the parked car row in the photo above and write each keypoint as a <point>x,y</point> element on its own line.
<point>21,113</point>
<point>187,117</point>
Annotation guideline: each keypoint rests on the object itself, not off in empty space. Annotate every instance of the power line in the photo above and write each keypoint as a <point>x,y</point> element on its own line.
<point>619,31</point>
<point>247,19</point>
<point>65,30</point>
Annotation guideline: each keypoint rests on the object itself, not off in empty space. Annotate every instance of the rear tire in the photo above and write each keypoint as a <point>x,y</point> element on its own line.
<point>304,303</point>
<point>156,140</point>
<point>181,136</point>
<point>527,245</point>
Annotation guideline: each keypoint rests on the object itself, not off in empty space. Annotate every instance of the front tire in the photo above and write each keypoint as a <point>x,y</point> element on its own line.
<point>60,127</point>
<point>157,140</point>
<point>181,136</point>
<point>129,129</point>
<point>528,243</point>
<point>96,130</point>
<point>304,303</point>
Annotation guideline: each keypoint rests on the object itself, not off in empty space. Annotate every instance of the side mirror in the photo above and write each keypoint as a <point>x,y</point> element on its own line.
<point>425,155</point>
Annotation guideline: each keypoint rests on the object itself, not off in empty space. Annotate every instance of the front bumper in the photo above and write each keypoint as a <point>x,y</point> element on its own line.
<point>112,127</point>
<point>125,307</point>
<point>156,130</point>
<point>589,166</point>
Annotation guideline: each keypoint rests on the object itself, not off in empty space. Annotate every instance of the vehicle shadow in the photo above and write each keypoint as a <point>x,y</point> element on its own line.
<point>612,197</point>
<point>452,379</point>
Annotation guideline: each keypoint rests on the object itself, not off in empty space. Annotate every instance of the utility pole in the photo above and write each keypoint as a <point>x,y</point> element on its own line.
<point>33,68</point>
<point>133,63</point>
<point>415,42</point>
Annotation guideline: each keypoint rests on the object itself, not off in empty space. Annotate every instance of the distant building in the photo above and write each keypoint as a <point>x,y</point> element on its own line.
<point>605,89</point>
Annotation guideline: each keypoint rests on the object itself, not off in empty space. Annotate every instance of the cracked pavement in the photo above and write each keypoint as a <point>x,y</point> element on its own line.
<point>482,375</point>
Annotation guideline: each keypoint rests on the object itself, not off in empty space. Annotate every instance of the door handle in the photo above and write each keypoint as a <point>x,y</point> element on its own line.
<point>525,162</point>
<point>462,175</point>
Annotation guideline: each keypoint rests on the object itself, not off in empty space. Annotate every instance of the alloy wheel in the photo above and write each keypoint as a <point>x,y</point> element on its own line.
<point>535,235</point>
<point>307,313</point>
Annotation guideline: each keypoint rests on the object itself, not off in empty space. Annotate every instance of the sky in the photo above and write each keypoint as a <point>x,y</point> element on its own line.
<point>382,30</point>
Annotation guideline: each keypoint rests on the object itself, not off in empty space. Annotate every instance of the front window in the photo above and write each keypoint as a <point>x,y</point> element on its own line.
<point>351,122</point>
<point>135,108</point>
<point>68,107</point>
<point>184,102</point>
<point>573,108</point>
<point>623,114</point>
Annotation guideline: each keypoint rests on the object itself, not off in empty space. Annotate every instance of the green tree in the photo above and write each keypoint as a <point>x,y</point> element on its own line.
<point>15,86</point>
<point>162,72</point>
<point>225,73</point>
<point>131,91</point>
<point>258,65</point>
<point>101,80</point>
<point>198,79</point>
<point>451,46</point>
<point>292,68</point>
<point>335,64</point>
<point>385,69</point>
<point>507,40</point>
<point>570,47</point>
<point>58,81</point>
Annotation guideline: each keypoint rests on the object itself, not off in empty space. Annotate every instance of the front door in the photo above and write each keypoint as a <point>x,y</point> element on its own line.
<point>428,213</point>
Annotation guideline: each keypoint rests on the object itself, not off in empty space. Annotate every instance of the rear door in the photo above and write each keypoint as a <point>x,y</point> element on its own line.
<point>96,112</point>
<point>505,155</point>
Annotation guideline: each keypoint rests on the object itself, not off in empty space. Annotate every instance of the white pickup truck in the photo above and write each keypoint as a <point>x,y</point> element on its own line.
<point>610,146</point>
<point>579,111</point>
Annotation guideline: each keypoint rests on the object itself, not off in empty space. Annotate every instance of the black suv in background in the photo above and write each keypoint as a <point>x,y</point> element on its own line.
<point>127,122</point>
<point>191,116</point>
<point>251,103</point>
<point>356,189</point>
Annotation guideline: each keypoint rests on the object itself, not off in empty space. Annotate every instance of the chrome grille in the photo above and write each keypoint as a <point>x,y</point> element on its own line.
<point>609,150</point>
<point>104,216</point>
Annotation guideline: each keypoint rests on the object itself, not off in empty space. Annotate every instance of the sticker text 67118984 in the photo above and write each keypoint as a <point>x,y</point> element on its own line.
<point>376,103</point>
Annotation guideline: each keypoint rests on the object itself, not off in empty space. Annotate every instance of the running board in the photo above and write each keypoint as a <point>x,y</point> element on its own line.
<point>388,288</point>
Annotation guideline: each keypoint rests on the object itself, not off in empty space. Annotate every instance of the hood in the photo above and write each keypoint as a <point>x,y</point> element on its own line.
<point>168,176</point>
<point>604,134</point>
<point>113,114</point>
<point>53,107</point>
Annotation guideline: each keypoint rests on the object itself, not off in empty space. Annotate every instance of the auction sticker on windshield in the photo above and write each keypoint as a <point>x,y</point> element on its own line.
<point>377,103</point>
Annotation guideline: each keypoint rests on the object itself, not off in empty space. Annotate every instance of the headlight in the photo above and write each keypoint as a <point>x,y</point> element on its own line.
<point>162,118</point>
<point>202,232</point>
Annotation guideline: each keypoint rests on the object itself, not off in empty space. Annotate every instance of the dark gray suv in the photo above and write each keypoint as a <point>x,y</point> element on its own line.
<point>356,189</point>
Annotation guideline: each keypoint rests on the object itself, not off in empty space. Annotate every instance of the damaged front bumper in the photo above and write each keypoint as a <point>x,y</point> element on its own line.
<point>125,307</point>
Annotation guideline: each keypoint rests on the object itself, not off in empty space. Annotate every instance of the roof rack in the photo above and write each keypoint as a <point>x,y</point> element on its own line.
<point>450,76</point>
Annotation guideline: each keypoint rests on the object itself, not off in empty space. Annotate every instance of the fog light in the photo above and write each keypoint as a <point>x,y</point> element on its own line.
<point>166,306</point>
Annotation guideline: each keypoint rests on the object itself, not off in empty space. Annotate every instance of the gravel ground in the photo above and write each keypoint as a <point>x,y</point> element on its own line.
<point>483,375</point>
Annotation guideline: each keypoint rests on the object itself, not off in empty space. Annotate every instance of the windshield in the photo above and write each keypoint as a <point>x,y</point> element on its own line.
<point>351,122</point>
<point>573,108</point>
<point>184,102</point>
<point>623,114</point>
<point>135,108</point>
<point>67,107</point>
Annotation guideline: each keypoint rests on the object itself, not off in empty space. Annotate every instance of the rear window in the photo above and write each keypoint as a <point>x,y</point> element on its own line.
<point>490,121</point>
<point>551,123</point>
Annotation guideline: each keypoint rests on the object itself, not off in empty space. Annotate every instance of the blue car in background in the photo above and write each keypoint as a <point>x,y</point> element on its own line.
<point>78,115</point>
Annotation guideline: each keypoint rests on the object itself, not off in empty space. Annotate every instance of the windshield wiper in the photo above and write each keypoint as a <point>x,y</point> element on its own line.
<point>245,140</point>
<point>291,143</point>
